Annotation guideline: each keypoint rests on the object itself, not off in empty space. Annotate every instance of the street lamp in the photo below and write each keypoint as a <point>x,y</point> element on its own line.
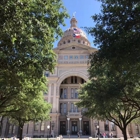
<point>98,132</point>
<point>48,127</point>
<point>80,119</point>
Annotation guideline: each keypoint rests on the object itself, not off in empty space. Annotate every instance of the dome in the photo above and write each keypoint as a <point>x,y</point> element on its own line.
<point>74,33</point>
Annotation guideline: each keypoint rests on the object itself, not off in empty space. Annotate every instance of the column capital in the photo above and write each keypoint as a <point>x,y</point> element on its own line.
<point>68,119</point>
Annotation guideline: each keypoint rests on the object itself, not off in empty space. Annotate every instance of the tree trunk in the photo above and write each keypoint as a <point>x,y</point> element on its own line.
<point>124,133</point>
<point>20,131</point>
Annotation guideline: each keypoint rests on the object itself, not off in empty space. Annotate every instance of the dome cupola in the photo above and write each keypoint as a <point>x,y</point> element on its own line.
<point>73,22</point>
<point>74,34</point>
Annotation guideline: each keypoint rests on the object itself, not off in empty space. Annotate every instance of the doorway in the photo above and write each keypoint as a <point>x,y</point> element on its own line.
<point>86,128</point>
<point>74,128</point>
<point>62,127</point>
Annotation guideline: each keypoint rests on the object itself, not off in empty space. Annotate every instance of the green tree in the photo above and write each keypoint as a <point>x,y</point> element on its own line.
<point>28,29</point>
<point>27,108</point>
<point>117,34</point>
<point>100,96</point>
<point>114,68</point>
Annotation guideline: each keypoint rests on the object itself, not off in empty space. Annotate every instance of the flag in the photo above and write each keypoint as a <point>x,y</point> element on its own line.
<point>76,33</point>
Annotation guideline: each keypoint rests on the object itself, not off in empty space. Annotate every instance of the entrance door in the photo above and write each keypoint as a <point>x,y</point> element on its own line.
<point>86,128</point>
<point>63,128</point>
<point>74,127</point>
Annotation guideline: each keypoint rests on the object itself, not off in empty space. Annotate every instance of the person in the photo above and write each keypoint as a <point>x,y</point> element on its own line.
<point>104,135</point>
<point>111,135</point>
<point>78,134</point>
<point>14,138</point>
<point>52,133</point>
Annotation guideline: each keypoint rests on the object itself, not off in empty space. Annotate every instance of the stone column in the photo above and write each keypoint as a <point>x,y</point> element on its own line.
<point>57,104</point>
<point>49,94</point>
<point>80,119</point>
<point>54,98</point>
<point>92,127</point>
<point>68,131</point>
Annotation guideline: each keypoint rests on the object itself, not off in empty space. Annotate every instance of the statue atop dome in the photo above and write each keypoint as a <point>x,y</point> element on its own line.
<point>73,21</point>
<point>74,14</point>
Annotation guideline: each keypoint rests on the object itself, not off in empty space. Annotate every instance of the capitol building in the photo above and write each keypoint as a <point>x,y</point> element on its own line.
<point>72,52</point>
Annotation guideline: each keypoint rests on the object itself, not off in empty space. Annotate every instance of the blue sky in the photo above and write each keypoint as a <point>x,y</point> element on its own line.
<point>84,10</point>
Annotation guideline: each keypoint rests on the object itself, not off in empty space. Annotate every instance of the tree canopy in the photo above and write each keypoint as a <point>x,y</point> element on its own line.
<point>100,96</point>
<point>28,108</point>
<point>117,32</point>
<point>28,29</point>
<point>114,86</point>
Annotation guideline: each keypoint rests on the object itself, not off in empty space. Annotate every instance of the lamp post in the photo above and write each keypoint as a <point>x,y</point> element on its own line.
<point>48,127</point>
<point>52,131</point>
<point>98,132</point>
<point>80,119</point>
<point>68,131</point>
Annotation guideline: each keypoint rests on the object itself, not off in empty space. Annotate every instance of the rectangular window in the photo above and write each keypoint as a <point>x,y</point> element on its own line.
<point>112,126</point>
<point>65,57</point>
<point>71,57</point>
<point>76,93</point>
<point>106,125</point>
<point>72,93</point>
<point>65,93</point>
<point>76,57</point>
<point>61,108</point>
<point>60,57</point>
<point>72,107</point>
<point>61,93</point>
<point>87,56</point>
<point>36,126</point>
<point>75,108</point>
<point>137,129</point>
<point>81,56</point>
<point>47,74</point>
<point>65,108</point>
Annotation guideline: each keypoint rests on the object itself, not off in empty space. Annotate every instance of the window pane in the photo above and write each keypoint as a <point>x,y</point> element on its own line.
<point>65,57</point>
<point>81,57</point>
<point>71,57</point>
<point>36,126</point>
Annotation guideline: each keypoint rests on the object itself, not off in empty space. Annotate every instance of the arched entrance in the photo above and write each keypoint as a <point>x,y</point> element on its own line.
<point>70,114</point>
